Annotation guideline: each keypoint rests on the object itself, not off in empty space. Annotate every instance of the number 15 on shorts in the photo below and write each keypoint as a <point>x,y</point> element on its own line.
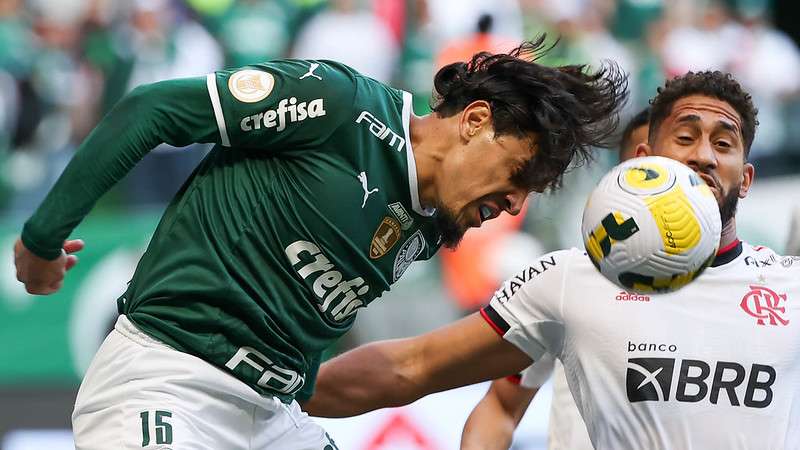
<point>155,427</point>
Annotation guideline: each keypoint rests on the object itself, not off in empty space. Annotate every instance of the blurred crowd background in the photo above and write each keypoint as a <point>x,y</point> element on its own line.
<point>64,63</point>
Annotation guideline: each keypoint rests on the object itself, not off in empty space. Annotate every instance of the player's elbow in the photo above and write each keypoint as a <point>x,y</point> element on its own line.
<point>404,386</point>
<point>402,376</point>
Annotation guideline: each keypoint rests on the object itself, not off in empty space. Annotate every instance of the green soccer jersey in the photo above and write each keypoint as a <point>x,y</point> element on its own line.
<point>305,211</point>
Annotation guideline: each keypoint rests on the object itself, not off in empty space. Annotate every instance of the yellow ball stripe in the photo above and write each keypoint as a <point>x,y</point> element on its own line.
<point>677,225</point>
<point>646,176</point>
<point>593,243</point>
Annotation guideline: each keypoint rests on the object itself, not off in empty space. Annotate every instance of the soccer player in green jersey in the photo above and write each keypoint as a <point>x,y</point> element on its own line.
<point>321,191</point>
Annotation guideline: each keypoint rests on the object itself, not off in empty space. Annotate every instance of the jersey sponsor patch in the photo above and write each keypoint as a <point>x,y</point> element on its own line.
<point>336,297</point>
<point>787,261</point>
<point>381,130</point>
<point>402,215</point>
<point>512,285</point>
<point>387,234</point>
<point>407,254</point>
<point>250,86</point>
<point>288,111</point>
<point>655,380</point>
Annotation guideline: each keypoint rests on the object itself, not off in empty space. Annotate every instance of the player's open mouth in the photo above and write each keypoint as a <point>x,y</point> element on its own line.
<point>486,212</point>
<point>708,179</point>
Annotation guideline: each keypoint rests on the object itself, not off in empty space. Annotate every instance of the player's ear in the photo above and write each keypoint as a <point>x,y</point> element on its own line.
<point>476,117</point>
<point>748,174</point>
<point>643,149</point>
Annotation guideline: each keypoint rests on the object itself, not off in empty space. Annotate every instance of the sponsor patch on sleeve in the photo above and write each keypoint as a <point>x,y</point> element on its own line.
<point>250,86</point>
<point>407,254</point>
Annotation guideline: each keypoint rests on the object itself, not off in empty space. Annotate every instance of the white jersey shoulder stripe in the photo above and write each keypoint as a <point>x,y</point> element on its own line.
<point>213,93</point>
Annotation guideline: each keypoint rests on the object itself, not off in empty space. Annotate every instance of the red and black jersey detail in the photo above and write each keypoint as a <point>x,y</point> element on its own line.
<point>516,379</point>
<point>495,320</point>
<point>728,253</point>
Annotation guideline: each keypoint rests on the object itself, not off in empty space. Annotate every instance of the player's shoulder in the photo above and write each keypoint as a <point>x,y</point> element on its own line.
<point>557,259</point>
<point>547,269</point>
<point>305,69</point>
<point>765,258</point>
<point>300,78</point>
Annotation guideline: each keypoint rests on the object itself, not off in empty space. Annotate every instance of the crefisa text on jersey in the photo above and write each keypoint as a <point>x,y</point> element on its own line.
<point>511,287</point>
<point>307,259</point>
<point>272,118</point>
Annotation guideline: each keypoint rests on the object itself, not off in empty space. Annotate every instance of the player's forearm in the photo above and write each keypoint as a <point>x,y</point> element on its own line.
<point>488,427</point>
<point>171,112</point>
<point>397,372</point>
<point>372,376</point>
<point>492,423</point>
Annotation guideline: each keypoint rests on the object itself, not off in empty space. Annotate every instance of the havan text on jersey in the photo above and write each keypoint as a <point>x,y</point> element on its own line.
<point>511,287</point>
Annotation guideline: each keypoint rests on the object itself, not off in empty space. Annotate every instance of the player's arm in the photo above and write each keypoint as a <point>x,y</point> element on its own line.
<point>177,112</point>
<point>524,314</point>
<point>492,422</point>
<point>398,372</point>
<point>208,109</point>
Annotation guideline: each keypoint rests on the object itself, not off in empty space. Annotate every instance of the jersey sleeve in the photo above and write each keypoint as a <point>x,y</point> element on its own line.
<point>538,373</point>
<point>177,112</point>
<point>527,309</point>
<point>281,105</point>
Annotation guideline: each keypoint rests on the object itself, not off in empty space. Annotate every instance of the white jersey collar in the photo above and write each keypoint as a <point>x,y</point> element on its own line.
<point>412,164</point>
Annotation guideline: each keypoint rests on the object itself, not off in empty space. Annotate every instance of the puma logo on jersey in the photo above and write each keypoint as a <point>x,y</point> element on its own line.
<point>362,177</point>
<point>311,73</point>
<point>277,118</point>
<point>381,131</point>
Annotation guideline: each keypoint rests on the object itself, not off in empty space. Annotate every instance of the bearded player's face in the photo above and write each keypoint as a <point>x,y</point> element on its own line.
<point>705,133</point>
<point>476,180</point>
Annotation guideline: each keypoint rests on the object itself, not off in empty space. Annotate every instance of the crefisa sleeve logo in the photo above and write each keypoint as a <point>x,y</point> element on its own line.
<point>250,86</point>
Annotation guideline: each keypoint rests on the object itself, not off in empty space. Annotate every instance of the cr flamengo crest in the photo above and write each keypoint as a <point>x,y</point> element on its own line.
<point>765,305</point>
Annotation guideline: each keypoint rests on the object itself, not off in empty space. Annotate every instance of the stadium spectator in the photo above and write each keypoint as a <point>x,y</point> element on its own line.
<point>353,35</point>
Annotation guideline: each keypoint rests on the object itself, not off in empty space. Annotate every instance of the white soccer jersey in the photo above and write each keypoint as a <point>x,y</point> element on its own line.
<point>715,365</point>
<point>565,430</point>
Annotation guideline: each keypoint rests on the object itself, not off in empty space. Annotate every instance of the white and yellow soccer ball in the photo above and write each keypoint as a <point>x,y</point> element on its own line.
<point>651,225</point>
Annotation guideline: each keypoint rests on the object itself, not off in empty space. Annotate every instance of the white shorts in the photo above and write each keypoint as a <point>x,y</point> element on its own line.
<point>140,393</point>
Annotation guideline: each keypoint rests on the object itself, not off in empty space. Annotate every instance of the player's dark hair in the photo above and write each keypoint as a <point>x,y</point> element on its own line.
<point>716,84</point>
<point>640,119</point>
<point>570,108</point>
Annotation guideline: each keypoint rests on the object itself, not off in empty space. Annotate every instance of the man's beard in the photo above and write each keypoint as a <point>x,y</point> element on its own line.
<point>451,231</point>
<point>727,205</point>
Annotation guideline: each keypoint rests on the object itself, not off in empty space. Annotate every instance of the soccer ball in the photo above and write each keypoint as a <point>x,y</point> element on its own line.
<point>651,225</point>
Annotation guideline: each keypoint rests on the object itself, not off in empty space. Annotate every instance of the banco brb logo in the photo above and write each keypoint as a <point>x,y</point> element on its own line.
<point>649,379</point>
<point>693,380</point>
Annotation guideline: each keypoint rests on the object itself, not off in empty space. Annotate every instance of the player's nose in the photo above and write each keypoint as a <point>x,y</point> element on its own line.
<point>702,156</point>
<point>514,202</point>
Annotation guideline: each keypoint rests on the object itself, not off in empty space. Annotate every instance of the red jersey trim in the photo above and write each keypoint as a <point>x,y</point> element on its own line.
<point>494,320</point>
